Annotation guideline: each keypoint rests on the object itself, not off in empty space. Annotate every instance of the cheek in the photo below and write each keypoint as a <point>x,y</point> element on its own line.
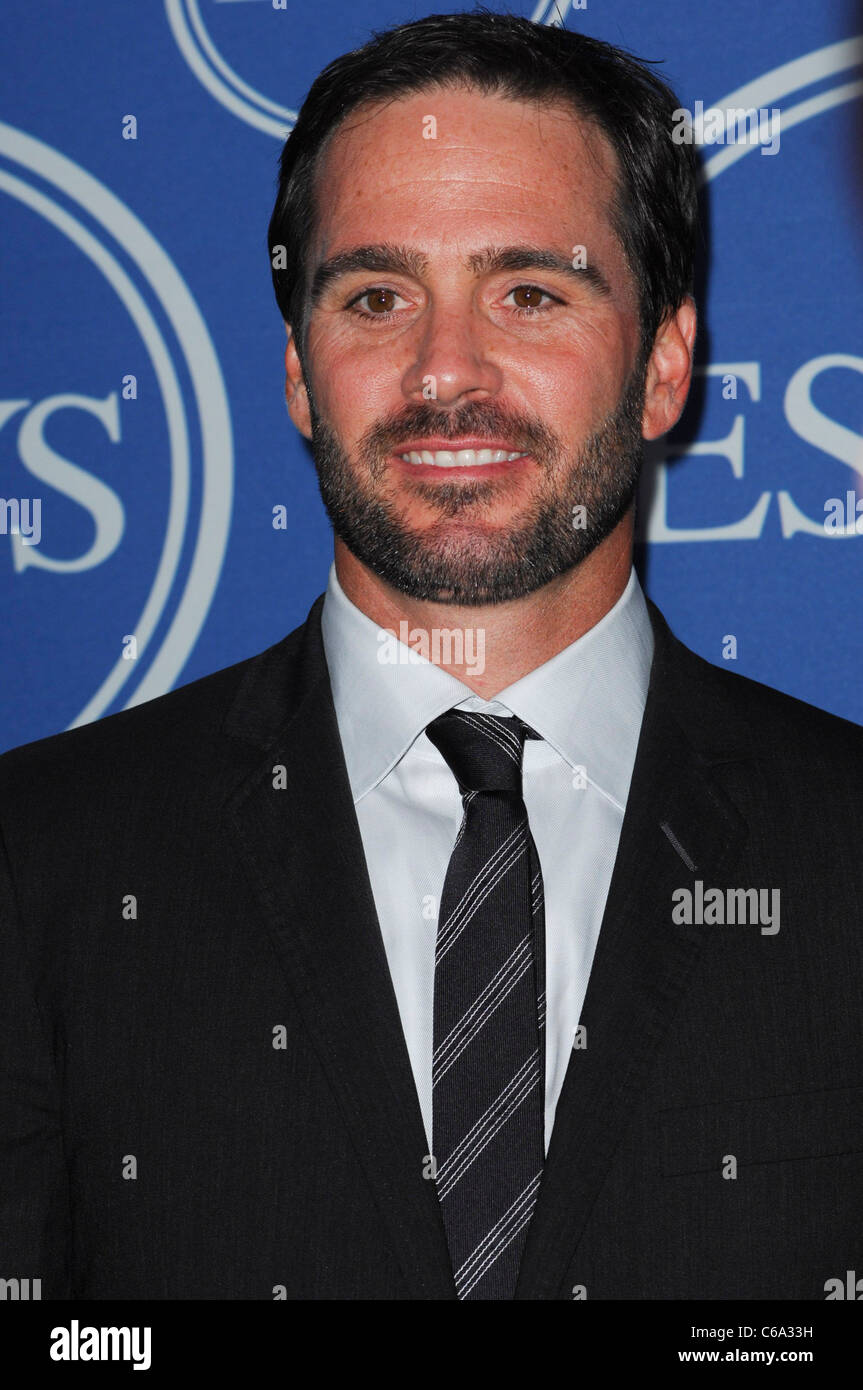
<point>572,390</point>
<point>352,387</point>
<point>577,375</point>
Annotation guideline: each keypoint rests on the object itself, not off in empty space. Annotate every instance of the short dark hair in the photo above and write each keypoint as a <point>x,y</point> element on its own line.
<point>654,211</point>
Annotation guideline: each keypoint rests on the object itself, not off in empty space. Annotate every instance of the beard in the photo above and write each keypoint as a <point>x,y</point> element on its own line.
<point>474,563</point>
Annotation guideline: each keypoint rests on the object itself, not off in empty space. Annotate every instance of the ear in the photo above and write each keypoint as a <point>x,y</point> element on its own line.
<point>669,371</point>
<point>296,395</point>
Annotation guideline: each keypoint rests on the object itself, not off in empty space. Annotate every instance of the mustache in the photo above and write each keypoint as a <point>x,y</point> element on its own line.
<point>485,419</point>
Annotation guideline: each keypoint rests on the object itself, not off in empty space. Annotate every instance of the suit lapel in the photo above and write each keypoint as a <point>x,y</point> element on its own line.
<point>643,961</point>
<point>303,851</point>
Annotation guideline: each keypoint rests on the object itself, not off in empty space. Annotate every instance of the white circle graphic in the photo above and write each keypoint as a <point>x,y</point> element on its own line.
<point>237,96</point>
<point>781,82</point>
<point>220,80</point>
<point>118,222</point>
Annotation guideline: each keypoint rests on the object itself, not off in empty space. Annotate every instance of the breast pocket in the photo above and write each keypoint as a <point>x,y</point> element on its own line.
<point>762,1129</point>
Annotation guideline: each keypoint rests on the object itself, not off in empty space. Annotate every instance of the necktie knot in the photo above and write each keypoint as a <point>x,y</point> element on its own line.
<point>484,751</point>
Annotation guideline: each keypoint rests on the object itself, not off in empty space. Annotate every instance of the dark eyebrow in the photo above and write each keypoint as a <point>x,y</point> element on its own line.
<point>495,258</point>
<point>386,258</point>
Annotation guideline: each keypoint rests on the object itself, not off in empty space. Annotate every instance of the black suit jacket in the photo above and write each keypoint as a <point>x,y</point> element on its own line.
<point>169,912</point>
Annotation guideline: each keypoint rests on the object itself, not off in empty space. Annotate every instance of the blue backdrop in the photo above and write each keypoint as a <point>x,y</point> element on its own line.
<point>143,435</point>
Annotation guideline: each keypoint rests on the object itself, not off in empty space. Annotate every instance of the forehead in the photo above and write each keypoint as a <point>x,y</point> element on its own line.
<point>445,151</point>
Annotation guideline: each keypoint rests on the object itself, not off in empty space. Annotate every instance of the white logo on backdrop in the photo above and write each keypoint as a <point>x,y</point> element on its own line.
<point>803,416</point>
<point>118,227</point>
<point>236,95</point>
<point>220,80</point>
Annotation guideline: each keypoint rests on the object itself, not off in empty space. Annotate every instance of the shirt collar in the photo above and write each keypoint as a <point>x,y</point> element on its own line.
<point>586,702</point>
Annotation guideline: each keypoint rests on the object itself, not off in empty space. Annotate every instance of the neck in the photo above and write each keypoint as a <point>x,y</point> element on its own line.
<point>496,644</point>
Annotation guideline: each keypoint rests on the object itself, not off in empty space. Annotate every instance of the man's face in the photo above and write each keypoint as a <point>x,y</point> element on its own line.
<point>466,324</point>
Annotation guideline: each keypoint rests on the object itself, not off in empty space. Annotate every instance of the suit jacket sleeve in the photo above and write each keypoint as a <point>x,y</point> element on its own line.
<point>35,1216</point>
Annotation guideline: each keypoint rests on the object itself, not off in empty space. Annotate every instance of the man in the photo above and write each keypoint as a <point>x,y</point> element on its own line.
<point>478,940</point>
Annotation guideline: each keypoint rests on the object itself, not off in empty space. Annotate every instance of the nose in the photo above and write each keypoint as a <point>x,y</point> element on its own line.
<point>451,359</point>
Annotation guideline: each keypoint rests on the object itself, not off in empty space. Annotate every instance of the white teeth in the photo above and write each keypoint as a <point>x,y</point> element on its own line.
<point>461,458</point>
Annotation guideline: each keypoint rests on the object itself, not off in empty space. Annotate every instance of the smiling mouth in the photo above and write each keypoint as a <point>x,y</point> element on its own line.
<point>459,458</point>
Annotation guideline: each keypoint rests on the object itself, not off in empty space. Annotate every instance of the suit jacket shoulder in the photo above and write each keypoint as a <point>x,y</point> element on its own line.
<point>795,747</point>
<point>154,748</point>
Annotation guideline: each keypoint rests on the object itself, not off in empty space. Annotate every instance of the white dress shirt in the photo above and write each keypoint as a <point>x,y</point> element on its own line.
<point>586,704</point>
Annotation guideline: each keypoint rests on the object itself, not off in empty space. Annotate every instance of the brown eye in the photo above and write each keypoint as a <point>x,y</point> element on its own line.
<point>531,301</point>
<point>380,301</point>
<point>528,296</point>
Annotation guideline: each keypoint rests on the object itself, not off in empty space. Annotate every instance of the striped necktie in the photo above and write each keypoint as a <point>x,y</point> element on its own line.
<point>488,1069</point>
